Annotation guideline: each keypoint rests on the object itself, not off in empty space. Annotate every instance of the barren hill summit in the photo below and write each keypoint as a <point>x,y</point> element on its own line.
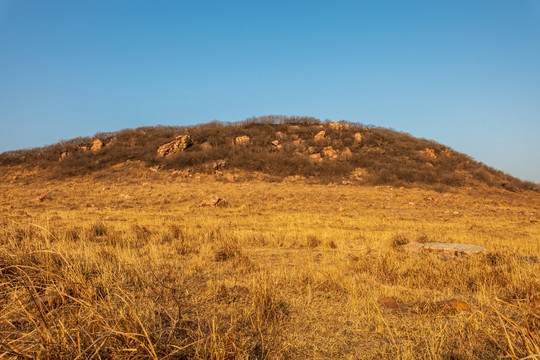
<point>272,147</point>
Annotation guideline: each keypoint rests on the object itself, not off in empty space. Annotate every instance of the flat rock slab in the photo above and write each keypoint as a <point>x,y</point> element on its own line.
<point>446,248</point>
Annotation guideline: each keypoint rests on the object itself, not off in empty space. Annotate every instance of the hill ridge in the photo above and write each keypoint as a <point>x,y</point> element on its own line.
<point>278,146</point>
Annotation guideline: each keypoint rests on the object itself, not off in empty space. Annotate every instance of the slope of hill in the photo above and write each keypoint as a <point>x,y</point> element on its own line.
<point>276,146</point>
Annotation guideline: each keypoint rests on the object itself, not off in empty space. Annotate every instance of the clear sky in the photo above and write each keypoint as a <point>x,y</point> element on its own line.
<point>463,73</point>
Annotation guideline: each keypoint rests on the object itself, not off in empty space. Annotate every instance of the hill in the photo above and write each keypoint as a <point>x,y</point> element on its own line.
<point>275,147</point>
<point>224,241</point>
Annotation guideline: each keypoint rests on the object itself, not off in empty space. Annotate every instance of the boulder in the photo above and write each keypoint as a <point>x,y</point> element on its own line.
<point>357,137</point>
<point>219,165</point>
<point>242,140</point>
<point>320,135</point>
<point>346,154</point>
<point>205,146</point>
<point>276,145</point>
<point>329,153</point>
<point>96,145</point>
<point>43,197</point>
<point>315,157</point>
<point>298,142</point>
<point>430,153</point>
<point>181,143</point>
<point>446,153</point>
<point>335,126</point>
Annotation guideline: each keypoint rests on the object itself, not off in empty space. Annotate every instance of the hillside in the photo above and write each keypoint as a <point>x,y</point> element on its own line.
<point>275,147</point>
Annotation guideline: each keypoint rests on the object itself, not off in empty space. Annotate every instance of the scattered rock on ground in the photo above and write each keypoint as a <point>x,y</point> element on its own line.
<point>529,259</point>
<point>389,303</point>
<point>453,303</point>
<point>444,248</point>
<point>215,201</point>
<point>183,173</point>
<point>219,165</point>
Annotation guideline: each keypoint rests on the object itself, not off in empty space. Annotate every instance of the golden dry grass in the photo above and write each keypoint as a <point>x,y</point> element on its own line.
<point>129,264</point>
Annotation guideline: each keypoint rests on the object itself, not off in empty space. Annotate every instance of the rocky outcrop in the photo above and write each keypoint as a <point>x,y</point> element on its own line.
<point>242,140</point>
<point>96,145</point>
<point>430,153</point>
<point>346,154</point>
<point>276,145</point>
<point>329,153</point>
<point>181,143</point>
<point>357,138</point>
<point>320,135</point>
<point>337,126</point>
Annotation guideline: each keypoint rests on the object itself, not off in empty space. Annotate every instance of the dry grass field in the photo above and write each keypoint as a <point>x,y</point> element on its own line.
<point>126,263</point>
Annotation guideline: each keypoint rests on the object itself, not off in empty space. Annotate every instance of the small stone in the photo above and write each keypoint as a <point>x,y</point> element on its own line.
<point>453,303</point>
<point>529,259</point>
<point>215,201</point>
<point>388,303</point>
<point>447,248</point>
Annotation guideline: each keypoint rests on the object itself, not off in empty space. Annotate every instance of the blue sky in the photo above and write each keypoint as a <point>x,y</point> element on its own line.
<point>463,73</point>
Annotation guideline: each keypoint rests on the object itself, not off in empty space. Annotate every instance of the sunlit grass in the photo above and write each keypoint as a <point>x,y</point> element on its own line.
<point>132,266</point>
